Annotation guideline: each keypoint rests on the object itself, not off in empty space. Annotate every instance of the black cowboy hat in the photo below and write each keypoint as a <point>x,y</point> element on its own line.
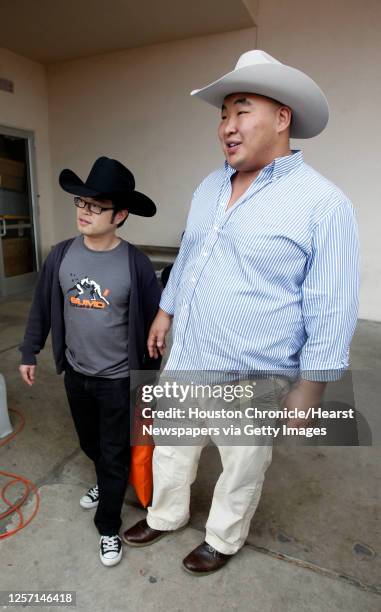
<point>109,180</point>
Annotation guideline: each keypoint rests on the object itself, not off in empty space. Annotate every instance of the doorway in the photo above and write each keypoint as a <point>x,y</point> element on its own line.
<point>19,248</point>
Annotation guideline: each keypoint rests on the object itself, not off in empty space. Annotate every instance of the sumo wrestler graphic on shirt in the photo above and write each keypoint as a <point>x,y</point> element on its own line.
<point>88,294</point>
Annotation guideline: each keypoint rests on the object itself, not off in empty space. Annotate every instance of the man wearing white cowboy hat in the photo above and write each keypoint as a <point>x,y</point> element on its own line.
<point>266,280</point>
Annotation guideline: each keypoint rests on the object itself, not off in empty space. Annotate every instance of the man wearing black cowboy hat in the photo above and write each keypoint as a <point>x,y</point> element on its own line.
<point>98,295</point>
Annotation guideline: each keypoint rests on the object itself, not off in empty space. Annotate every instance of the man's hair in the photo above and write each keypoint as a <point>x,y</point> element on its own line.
<point>281,104</point>
<point>118,206</point>
<point>117,209</point>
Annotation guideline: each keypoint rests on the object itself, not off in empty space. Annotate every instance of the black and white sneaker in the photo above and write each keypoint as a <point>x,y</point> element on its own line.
<point>110,550</point>
<point>91,499</point>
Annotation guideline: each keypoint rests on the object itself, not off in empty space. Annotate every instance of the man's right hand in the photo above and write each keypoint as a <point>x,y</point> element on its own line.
<point>28,373</point>
<point>156,337</point>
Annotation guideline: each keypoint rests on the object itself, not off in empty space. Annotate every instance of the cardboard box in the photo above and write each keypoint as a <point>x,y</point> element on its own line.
<point>12,167</point>
<point>15,183</point>
<point>17,256</point>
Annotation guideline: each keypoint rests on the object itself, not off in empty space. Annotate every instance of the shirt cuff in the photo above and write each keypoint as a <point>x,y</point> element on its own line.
<point>327,375</point>
<point>28,358</point>
<point>166,304</point>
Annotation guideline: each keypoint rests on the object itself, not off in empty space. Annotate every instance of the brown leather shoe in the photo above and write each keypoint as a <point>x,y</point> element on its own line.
<point>142,534</point>
<point>205,560</point>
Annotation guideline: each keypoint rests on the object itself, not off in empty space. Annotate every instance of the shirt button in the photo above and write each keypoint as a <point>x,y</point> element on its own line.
<point>205,253</point>
<point>216,228</point>
<point>193,279</point>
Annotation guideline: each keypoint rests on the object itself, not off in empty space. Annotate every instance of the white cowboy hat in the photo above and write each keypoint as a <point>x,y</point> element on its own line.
<point>259,73</point>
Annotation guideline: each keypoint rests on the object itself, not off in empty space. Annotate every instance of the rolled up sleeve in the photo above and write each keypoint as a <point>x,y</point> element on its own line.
<point>330,295</point>
<point>168,297</point>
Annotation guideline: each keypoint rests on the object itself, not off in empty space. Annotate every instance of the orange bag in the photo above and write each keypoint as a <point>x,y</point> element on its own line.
<point>141,472</point>
<point>141,457</point>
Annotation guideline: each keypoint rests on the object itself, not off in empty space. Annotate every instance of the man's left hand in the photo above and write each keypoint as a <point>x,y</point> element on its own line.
<point>306,394</point>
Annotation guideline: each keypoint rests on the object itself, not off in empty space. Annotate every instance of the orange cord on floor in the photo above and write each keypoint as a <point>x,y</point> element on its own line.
<point>29,487</point>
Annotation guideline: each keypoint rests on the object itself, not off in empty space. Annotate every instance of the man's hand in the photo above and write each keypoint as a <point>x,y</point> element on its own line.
<point>156,337</point>
<point>28,373</point>
<point>304,395</point>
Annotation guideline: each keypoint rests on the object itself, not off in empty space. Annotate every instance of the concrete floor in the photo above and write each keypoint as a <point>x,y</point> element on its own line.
<point>314,544</point>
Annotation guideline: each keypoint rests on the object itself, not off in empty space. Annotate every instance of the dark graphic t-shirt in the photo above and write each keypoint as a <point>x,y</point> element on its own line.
<point>96,287</point>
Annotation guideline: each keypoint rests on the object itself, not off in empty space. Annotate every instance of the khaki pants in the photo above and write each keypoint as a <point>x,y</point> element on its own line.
<point>236,494</point>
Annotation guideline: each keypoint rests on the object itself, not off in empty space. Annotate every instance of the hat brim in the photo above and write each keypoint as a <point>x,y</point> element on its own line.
<point>310,111</point>
<point>135,202</point>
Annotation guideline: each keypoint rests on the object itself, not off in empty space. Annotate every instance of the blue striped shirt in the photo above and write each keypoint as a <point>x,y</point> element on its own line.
<point>271,283</point>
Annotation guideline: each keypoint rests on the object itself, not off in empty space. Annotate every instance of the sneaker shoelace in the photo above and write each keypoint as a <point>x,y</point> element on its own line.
<point>110,543</point>
<point>93,492</point>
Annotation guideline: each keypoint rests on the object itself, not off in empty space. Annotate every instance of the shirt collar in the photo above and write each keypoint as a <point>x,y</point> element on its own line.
<point>277,168</point>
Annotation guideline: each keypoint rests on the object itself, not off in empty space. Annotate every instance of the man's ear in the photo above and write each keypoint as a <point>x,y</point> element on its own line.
<point>284,118</point>
<point>121,215</point>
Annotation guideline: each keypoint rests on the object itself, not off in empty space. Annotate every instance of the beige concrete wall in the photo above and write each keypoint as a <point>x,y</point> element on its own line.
<point>338,43</point>
<point>27,108</point>
<point>135,106</point>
